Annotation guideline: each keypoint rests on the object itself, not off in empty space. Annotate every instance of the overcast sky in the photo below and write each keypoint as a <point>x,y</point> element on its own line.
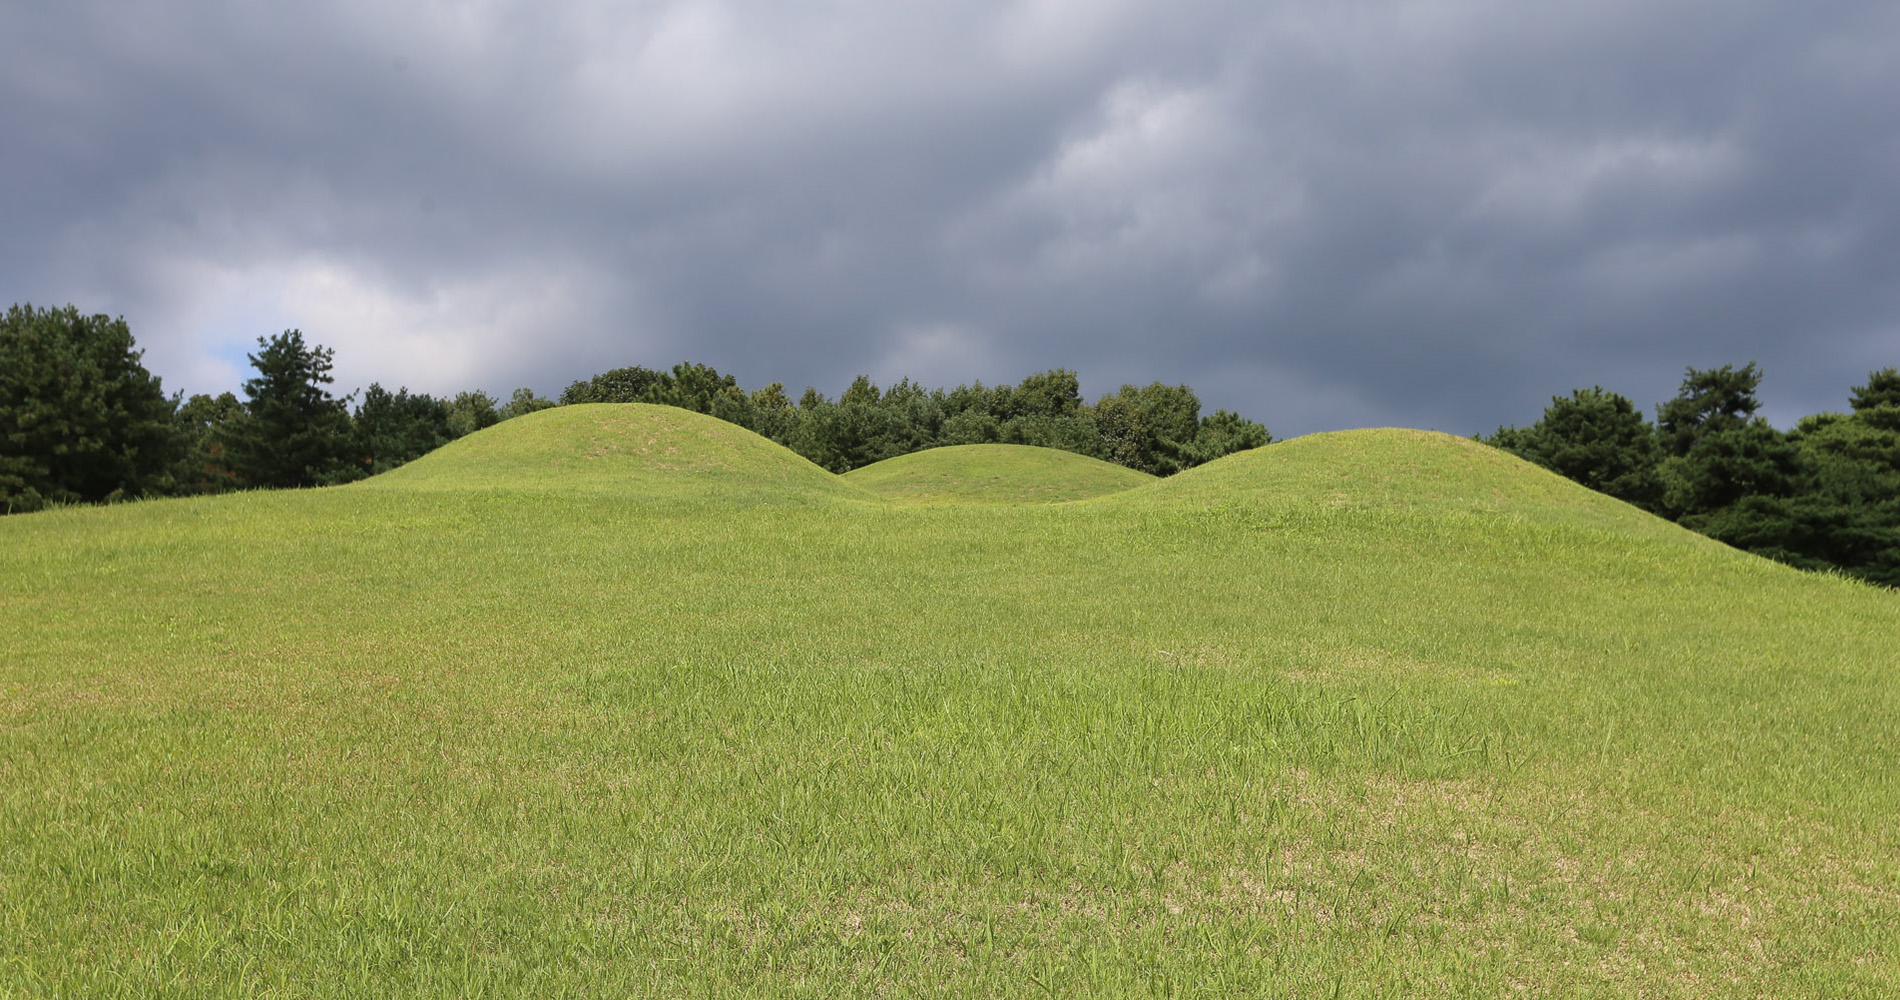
<point>1434,213</point>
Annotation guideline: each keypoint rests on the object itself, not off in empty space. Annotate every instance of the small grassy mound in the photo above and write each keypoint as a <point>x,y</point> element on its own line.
<point>655,452</point>
<point>995,473</point>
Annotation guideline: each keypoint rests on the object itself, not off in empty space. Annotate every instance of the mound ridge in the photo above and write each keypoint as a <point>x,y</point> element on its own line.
<point>662,451</point>
<point>994,474</point>
<point>653,451</point>
<point>1396,471</point>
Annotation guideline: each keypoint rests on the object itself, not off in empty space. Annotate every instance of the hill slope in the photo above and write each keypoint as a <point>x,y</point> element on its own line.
<point>1394,470</point>
<point>1368,714</point>
<point>634,449</point>
<point>994,473</point>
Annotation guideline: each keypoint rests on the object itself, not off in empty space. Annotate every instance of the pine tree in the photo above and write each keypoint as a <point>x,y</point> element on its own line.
<point>1878,402</point>
<point>81,420</point>
<point>1711,399</point>
<point>293,432</point>
<point>396,427</point>
<point>1596,438</point>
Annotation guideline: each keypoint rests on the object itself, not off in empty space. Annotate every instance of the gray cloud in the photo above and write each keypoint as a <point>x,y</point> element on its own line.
<point>1320,215</point>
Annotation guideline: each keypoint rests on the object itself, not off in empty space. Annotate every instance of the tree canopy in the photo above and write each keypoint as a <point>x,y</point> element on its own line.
<point>1599,439</point>
<point>1825,495</point>
<point>293,433</point>
<point>1157,428</point>
<point>81,420</point>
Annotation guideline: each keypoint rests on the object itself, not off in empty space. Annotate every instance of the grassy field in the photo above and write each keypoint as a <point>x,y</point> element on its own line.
<point>994,473</point>
<point>623,701</point>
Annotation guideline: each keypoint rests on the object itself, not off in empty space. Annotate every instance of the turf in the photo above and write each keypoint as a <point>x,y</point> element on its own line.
<point>638,452</point>
<point>994,473</point>
<point>1376,713</point>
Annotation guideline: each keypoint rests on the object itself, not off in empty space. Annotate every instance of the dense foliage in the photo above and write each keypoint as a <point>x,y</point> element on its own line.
<point>1157,429</point>
<point>1825,495</point>
<point>81,420</point>
<point>293,432</point>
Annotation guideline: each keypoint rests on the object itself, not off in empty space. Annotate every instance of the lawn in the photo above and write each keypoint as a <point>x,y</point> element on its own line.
<point>994,473</point>
<point>623,701</point>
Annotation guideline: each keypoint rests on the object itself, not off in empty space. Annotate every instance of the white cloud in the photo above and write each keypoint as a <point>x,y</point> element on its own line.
<point>489,331</point>
<point>459,333</point>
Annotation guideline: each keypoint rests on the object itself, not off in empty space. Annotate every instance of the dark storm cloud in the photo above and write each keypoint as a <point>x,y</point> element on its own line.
<point>1321,215</point>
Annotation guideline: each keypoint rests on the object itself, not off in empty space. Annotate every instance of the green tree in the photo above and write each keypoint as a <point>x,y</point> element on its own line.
<point>972,426</point>
<point>622,385</point>
<point>1151,429</point>
<point>470,412</point>
<point>697,387</point>
<point>200,427</point>
<point>1848,503</point>
<point>1044,409</point>
<point>862,392</point>
<point>1850,458</point>
<point>964,399</point>
<point>1157,428</point>
<point>1224,433</point>
<point>1878,402</point>
<point>1076,432</point>
<point>397,427</point>
<point>1710,400</point>
<point>1823,496</point>
<point>916,416</point>
<point>773,414</point>
<point>1596,438</point>
<point>1727,465</point>
<point>294,432</point>
<point>80,417</point>
<point>1054,393</point>
<point>689,386</point>
<point>844,436</point>
<point>524,402</point>
<point>966,416</point>
<point>1812,531</point>
<point>1725,472</point>
<point>772,397</point>
<point>1717,451</point>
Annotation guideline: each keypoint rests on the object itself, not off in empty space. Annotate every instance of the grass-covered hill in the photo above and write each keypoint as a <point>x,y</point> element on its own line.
<point>1378,713</point>
<point>994,473</point>
<point>637,451</point>
<point>1390,473</point>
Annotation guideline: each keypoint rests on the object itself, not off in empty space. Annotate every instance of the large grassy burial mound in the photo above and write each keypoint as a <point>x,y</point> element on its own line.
<point>1376,713</point>
<point>633,449</point>
<point>994,473</point>
<point>1394,471</point>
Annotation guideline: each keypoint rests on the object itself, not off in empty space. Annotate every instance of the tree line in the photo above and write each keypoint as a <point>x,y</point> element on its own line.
<point>83,421</point>
<point>1156,428</point>
<point>1825,495</point>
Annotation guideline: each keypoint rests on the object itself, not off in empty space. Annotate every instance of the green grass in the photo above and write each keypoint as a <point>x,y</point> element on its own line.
<point>640,453</point>
<point>994,473</point>
<point>1377,713</point>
